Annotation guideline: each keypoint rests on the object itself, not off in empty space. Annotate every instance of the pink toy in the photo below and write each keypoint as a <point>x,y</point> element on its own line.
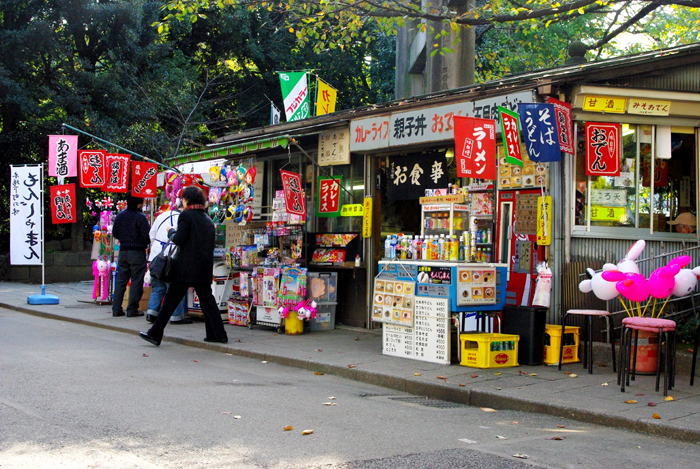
<point>682,261</point>
<point>601,288</point>
<point>634,288</point>
<point>628,264</point>
<point>686,280</point>
<point>662,280</point>
<point>96,285</point>
<point>103,270</point>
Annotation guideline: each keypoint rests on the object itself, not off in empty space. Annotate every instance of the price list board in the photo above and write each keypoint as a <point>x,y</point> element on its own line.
<point>429,338</point>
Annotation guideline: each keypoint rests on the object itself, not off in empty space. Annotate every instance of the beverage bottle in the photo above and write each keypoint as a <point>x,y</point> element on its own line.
<point>441,247</point>
<point>424,248</point>
<point>403,247</point>
<point>478,237</point>
<point>454,249</point>
<point>419,248</point>
<point>387,247</point>
<point>460,247</point>
<point>488,255</point>
<point>410,248</point>
<point>472,252</point>
<point>392,246</point>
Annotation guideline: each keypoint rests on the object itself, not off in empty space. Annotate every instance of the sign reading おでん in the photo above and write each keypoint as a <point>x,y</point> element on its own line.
<point>602,149</point>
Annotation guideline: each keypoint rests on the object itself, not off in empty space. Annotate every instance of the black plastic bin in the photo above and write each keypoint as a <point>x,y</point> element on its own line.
<point>528,322</point>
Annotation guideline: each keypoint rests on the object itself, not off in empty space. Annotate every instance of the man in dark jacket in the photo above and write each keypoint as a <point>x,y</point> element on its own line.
<point>131,228</point>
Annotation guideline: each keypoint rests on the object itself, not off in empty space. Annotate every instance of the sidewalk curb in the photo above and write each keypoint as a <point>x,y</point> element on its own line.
<point>471,397</point>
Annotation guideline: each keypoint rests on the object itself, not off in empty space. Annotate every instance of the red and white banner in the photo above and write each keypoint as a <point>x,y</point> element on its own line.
<point>565,126</point>
<point>144,181</point>
<point>602,149</point>
<point>63,155</point>
<point>63,204</point>
<point>117,173</point>
<point>92,168</point>
<point>475,147</point>
<point>293,193</point>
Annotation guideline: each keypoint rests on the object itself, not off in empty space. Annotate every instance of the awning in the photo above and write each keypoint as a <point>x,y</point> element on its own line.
<point>231,150</point>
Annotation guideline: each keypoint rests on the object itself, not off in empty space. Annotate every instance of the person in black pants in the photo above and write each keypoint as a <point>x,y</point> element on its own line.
<point>131,228</point>
<point>194,268</point>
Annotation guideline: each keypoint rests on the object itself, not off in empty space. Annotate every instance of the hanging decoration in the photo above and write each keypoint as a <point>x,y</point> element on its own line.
<point>540,132</point>
<point>63,155</point>
<point>143,179</point>
<point>602,149</point>
<point>117,173</point>
<point>63,204</point>
<point>510,131</point>
<point>565,127</point>
<point>475,147</point>
<point>328,196</point>
<point>294,199</point>
<point>92,168</point>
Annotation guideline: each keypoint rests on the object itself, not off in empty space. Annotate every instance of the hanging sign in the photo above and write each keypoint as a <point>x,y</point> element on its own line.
<point>328,197</point>
<point>117,173</point>
<point>143,179</point>
<point>293,193</point>
<point>562,114</point>
<point>63,155</point>
<point>351,210</point>
<point>295,92</point>
<point>367,217</point>
<point>540,132</point>
<point>649,107</point>
<point>334,147</point>
<point>62,204</point>
<point>602,149</point>
<point>409,176</point>
<point>92,168</point>
<point>544,221</point>
<point>604,104</point>
<point>510,131</point>
<point>326,96</point>
<point>475,147</point>
<point>26,233</point>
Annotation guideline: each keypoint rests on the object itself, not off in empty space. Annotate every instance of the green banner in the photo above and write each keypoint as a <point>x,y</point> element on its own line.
<point>510,131</point>
<point>295,91</point>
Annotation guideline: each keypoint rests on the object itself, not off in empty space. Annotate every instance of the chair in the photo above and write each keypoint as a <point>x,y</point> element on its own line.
<point>667,340</point>
<point>588,323</point>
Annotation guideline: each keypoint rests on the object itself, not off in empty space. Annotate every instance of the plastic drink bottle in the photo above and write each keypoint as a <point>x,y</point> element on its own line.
<point>460,248</point>
<point>424,248</point>
<point>392,246</point>
<point>418,247</point>
<point>454,249</point>
<point>441,247</point>
<point>387,247</point>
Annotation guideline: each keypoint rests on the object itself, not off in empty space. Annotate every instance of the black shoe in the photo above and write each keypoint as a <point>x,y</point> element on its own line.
<point>151,318</point>
<point>134,315</point>
<point>148,338</point>
<point>117,314</point>
<point>182,321</point>
<point>219,340</point>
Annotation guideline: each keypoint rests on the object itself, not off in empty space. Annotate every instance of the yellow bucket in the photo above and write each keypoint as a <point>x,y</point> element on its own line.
<point>293,325</point>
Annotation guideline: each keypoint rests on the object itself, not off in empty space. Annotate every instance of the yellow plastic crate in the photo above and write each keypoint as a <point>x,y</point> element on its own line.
<point>489,350</point>
<point>552,343</point>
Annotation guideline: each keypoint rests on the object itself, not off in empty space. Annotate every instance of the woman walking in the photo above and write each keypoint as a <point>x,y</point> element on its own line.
<point>194,268</point>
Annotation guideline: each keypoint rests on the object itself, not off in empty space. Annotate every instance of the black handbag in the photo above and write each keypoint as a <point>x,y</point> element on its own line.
<point>163,265</point>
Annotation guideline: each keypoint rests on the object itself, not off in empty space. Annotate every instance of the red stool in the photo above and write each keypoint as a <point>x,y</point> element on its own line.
<point>588,348</point>
<point>667,339</point>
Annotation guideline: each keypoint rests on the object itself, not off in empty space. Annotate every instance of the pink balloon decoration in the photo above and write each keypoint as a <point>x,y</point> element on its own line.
<point>662,281</point>
<point>682,261</point>
<point>634,288</point>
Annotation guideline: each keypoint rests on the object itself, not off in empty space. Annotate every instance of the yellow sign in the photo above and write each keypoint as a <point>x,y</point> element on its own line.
<point>604,104</point>
<point>544,232</point>
<point>603,213</point>
<point>326,96</point>
<point>351,210</point>
<point>648,107</point>
<point>367,218</point>
<point>442,199</point>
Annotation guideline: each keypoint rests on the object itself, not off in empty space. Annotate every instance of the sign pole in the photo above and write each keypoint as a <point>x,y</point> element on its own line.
<point>43,298</point>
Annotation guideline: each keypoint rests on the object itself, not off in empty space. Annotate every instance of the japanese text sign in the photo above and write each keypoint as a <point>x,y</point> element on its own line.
<point>649,107</point>
<point>92,168</point>
<point>328,197</point>
<point>540,132</point>
<point>604,104</point>
<point>26,233</point>
<point>334,147</point>
<point>144,179</point>
<point>351,210</point>
<point>475,147</point>
<point>117,173</point>
<point>294,200</point>
<point>326,97</point>
<point>510,131</point>
<point>562,114</point>
<point>409,176</point>
<point>367,217</point>
<point>63,155</point>
<point>602,149</point>
<point>63,204</point>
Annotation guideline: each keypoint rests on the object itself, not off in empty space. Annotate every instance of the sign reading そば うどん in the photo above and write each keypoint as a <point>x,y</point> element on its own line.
<point>63,204</point>
<point>92,168</point>
<point>143,179</point>
<point>602,149</point>
<point>294,200</point>
<point>117,168</point>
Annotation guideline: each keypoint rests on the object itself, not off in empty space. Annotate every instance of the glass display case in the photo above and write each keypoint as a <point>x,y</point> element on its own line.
<point>444,219</point>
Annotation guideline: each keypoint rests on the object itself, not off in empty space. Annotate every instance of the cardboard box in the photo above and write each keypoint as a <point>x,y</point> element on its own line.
<point>143,304</point>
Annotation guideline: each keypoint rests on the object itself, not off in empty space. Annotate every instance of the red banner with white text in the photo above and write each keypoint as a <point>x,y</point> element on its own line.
<point>92,168</point>
<point>62,204</point>
<point>117,173</point>
<point>475,147</point>
<point>293,193</point>
<point>143,179</point>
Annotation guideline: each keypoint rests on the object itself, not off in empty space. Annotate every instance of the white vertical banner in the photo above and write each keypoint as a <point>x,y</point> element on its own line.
<point>26,227</point>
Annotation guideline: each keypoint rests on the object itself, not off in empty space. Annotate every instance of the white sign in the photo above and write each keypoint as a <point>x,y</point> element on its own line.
<point>26,228</point>
<point>334,147</point>
<point>258,189</point>
<point>609,197</point>
<point>430,124</point>
<point>428,340</point>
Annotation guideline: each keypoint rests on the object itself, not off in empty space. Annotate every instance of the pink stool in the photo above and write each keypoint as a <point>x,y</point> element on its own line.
<point>588,322</point>
<point>667,338</point>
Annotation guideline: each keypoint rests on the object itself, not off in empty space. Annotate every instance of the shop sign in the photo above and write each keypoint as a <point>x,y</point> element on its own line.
<point>602,149</point>
<point>293,193</point>
<point>604,104</point>
<point>609,197</point>
<point>540,132</point>
<point>648,107</point>
<point>475,147</point>
<point>435,207</point>
<point>26,234</point>
<point>660,172</point>
<point>565,125</point>
<point>544,221</point>
<point>510,132</point>
<point>409,176</point>
<point>63,204</point>
<point>295,93</point>
<point>143,179</point>
<point>367,217</point>
<point>431,124</point>
<point>63,154</point>
<point>435,275</point>
<point>117,173</point>
<point>351,210</point>
<point>601,213</point>
<point>328,197</point>
<point>442,199</point>
<point>92,168</point>
<point>334,147</point>
<point>326,97</point>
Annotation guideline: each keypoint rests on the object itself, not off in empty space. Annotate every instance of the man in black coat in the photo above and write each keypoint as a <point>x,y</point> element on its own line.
<point>131,228</point>
<point>194,268</point>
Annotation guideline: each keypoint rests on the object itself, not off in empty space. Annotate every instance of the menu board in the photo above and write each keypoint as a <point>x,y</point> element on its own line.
<point>428,340</point>
<point>526,213</point>
<point>476,286</point>
<point>393,302</point>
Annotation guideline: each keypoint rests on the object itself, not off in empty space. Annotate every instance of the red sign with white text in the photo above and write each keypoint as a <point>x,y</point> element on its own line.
<point>329,196</point>
<point>62,204</point>
<point>117,173</point>
<point>475,147</point>
<point>565,126</point>
<point>293,193</point>
<point>143,179</point>
<point>602,149</point>
<point>92,168</point>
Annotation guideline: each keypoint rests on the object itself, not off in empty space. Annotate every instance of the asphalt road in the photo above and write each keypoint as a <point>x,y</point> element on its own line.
<point>74,396</point>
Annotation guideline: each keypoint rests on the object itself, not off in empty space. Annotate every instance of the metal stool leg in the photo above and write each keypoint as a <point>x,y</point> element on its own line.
<point>611,335</point>
<point>625,357</point>
<point>622,350</point>
<point>634,362</point>
<point>695,355</point>
<point>590,345</point>
<point>561,342</point>
<point>659,363</point>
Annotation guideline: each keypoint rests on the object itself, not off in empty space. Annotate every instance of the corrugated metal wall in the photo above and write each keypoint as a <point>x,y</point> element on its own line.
<point>686,78</point>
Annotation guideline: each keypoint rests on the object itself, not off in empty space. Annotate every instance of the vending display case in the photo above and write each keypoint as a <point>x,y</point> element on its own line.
<point>444,219</point>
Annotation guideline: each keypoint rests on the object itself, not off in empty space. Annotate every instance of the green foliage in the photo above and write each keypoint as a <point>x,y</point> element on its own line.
<point>685,329</point>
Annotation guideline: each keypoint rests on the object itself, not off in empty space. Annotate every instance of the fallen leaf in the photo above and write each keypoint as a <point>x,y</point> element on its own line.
<point>226,413</point>
<point>498,374</point>
<point>288,428</point>
<point>501,437</point>
<point>488,409</point>
<point>523,372</point>
<point>351,366</point>
<point>602,364</point>
<point>560,426</point>
<point>641,394</point>
<point>515,422</point>
<point>145,355</point>
<point>307,432</point>
<point>497,389</point>
<point>655,415</point>
<point>651,404</point>
<point>566,372</point>
<point>357,338</point>
<point>471,442</point>
<point>533,374</point>
<point>521,456</point>
<point>445,381</point>
<point>556,438</point>
<point>631,401</point>
<point>669,398</point>
<point>319,350</point>
<point>442,377</point>
<point>573,375</point>
<point>519,387</point>
<point>332,398</point>
<point>462,384</point>
<point>264,361</point>
<point>416,374</point>
<point>475,376</point>
<point>605,384</point>
<point>690,350</point>
<point>237,417</point>
<point>330,403</point>
<point>318,373</point>
<point>196,361</point>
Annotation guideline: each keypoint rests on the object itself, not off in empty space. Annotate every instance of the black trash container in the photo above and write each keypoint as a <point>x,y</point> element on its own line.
<point>528,322</point>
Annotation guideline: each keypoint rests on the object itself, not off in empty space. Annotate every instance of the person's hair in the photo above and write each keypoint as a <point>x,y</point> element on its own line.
<point>194,195</point>
<point>132,203</point>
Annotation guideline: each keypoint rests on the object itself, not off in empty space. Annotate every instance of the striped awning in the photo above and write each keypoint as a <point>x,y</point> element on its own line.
<point>231,150</point>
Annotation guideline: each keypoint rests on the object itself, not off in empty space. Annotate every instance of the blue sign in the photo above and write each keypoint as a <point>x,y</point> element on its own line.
<point>540,133</point>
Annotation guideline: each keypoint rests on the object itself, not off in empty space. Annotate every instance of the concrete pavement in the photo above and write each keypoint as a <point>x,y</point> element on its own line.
<point>357,354</point>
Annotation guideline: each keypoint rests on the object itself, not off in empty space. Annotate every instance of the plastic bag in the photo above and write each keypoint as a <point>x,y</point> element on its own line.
<point>543,287</point>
